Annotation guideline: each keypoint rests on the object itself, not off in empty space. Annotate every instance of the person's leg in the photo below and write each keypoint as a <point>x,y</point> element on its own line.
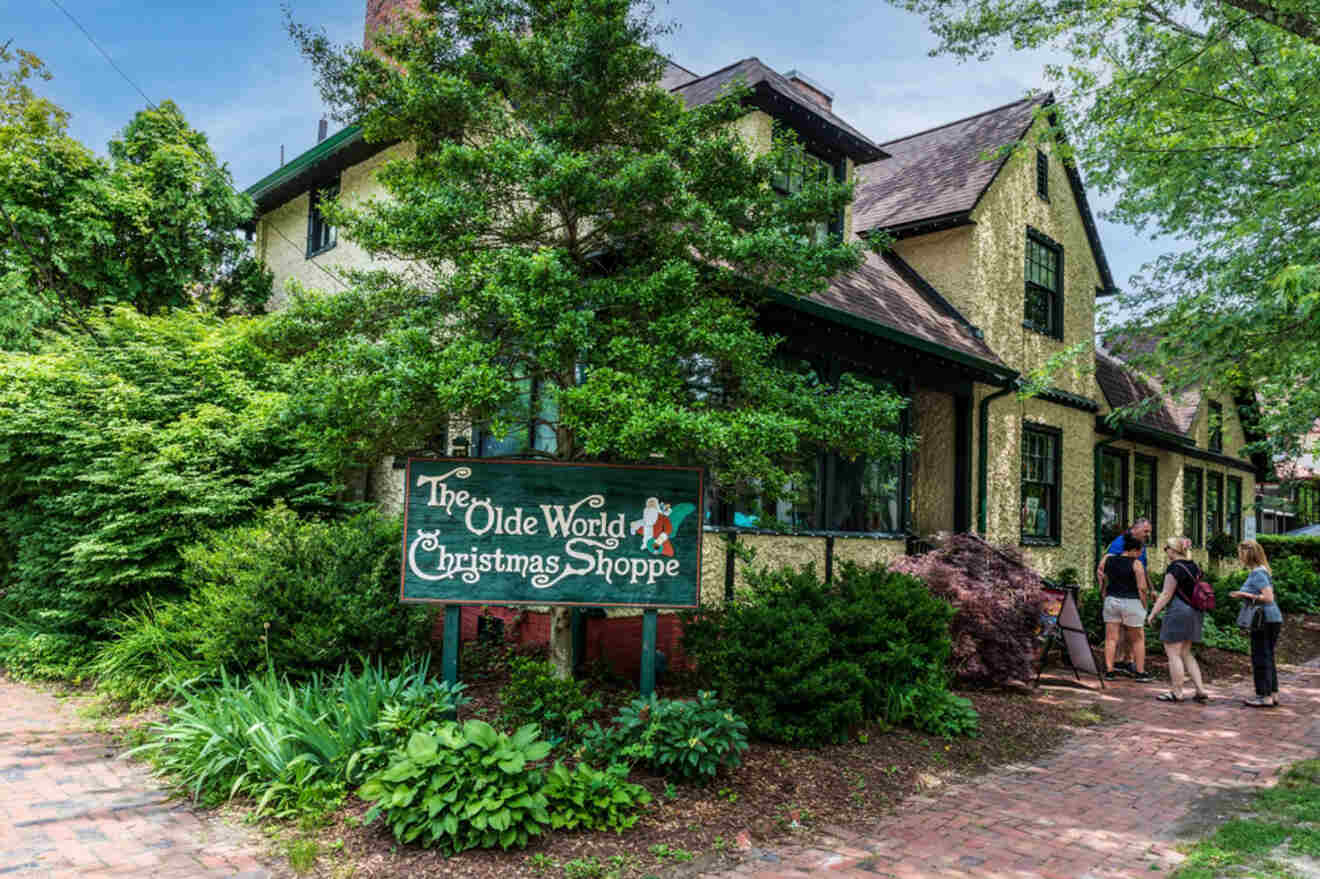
<point>1271,641</point>
<point>1137,644</point>
<point>1112,630</point>
<point>1259,668</point>
<point>1173,650</point>
<point>1191,667</point>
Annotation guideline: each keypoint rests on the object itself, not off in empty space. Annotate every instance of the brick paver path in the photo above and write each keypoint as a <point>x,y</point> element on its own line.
<point>69,808</point>
<point>1111,803</point>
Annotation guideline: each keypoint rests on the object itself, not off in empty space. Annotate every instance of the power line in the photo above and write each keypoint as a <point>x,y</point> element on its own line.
<point>103,52</point>
<point>153,106</point>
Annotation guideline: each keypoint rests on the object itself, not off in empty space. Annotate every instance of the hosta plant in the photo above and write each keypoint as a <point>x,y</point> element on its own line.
<point>595,799</point>
<point>464,787</point>
<point>687,740</point>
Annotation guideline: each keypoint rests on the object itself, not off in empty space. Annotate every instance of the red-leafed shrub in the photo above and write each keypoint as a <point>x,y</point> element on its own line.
<point>998,600</point>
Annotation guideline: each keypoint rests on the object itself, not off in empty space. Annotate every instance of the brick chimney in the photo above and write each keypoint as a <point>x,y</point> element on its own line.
<point>382,14</point>
<point>810,89</point>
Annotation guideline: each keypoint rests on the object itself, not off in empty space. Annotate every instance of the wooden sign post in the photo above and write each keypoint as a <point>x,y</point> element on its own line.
<point>542,533</point>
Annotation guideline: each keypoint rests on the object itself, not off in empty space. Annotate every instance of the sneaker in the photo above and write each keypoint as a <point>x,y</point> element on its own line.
<point>1143,677</point>
<point>1111,675</point>
<point>1126,667</point>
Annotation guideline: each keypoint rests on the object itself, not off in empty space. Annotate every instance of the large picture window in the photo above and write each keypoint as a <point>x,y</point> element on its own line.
<point>1044,295</point>
<point>1041,460</point>
<point>1113,494</point>
<point>1192,524</point>
<point>1145,487</point>
<point>1233,503</point>
<point>1214,504</point>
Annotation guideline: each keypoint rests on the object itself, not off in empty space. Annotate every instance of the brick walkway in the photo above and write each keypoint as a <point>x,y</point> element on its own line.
<point>68,808</point>
<point>1113,802</point>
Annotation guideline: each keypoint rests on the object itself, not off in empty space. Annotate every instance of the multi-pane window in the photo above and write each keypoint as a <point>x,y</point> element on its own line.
<point>1044,293</point>
<point>533,414</point>
<point>1308,504</point>
<point>803,168</point>
<point>1214,504</point>
<point>1216,418</point>
<point>1192,504</point>
<point>320,234</point>
<point>1041,459</point>
<point>1042,175</point>
<point>1113,494</point>
<point>1144,488</point>
<point>1233,502</point>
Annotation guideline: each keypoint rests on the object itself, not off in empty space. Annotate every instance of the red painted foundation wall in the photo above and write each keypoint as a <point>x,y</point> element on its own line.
<point>616,640</point>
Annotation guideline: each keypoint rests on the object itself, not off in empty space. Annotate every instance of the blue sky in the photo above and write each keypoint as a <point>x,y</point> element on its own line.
<point>238,77</point>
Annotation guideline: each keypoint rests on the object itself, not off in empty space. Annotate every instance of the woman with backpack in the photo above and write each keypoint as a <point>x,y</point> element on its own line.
<point>1182,622</point>
<point>1260,616</point>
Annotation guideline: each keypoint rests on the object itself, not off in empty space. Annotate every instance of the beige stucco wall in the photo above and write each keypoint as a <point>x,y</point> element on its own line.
<point>281,235</point>
<point>981,269</point>
<point>933,464</point>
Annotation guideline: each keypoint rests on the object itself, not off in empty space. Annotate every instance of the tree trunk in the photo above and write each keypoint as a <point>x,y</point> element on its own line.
<point>561,641</point>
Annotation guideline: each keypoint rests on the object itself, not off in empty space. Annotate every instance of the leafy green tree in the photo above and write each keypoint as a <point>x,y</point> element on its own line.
<point>1199,117</point>
<point>153,226</point>
<point>583,255</point>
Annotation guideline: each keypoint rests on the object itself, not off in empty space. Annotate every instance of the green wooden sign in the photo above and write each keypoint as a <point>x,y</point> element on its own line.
<point>489,531</point>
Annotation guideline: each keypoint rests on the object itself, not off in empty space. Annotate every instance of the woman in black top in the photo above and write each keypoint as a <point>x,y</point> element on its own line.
<point>1124,592</point>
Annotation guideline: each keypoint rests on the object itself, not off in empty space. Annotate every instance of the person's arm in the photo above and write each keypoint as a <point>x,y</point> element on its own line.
<point>1170,587</point>
<point>1100,572</point>
<point>1143,586</point>
<point>1266,594</point>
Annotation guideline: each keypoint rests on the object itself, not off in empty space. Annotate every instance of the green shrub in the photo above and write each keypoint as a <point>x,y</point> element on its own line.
<point>687,740</point>
<point>122,448</point>
<point>1296,585</point>
<point>1224,637</point>
<point>465,787</point>
<point>289,746</point>
<point>1280,546</point>
<point>534,694</point>
<point>26,651</point>
<point>803,662</point>
<point>594,799</point>
<point>300,593</point>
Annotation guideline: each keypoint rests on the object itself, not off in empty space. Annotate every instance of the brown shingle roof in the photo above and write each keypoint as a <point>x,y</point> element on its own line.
<point>707,88</point>
<point>940,171</point>
<point>1124,387</point>
<point>887,291</point>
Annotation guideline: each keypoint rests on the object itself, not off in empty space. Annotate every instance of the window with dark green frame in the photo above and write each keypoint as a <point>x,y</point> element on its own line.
<point>807,167</point>
<point>1214,504</point>
<point>321,236</point>
<point>1233,505</point>
<point>1042,459</point>
<point>1044,292</point>
<point>1145,482</point>
<point>1042,175</point>
<point>1216,432</point>
<point>1192,524</point>
<point>1113,494</point>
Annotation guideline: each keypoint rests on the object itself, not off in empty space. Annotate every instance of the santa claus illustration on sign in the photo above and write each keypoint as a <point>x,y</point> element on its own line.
<point>657,525</point>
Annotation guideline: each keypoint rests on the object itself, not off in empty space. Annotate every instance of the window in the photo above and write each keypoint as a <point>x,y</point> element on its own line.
<point>1308,504</point>
<point>1234,505</point>
<point>1041,459</point>
<point>1044,302</point>
<point>1042,175</point>
<point>320,234</point>
<point>533,414</point>
<point>1214,504</point>
<point>1216,417</point>
<point>1145,487</point>
<point>809,168</point>
<point>1192,504</point>
<point>1113,494</point>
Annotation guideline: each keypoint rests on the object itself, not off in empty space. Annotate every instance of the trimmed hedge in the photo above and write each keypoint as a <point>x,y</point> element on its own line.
<point>1279,546</point>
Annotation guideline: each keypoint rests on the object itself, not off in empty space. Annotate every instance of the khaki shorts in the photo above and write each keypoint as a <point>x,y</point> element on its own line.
<point>1127,611</point>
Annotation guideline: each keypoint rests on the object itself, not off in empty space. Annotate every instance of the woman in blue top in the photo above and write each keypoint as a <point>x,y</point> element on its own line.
<point>1258,592</point>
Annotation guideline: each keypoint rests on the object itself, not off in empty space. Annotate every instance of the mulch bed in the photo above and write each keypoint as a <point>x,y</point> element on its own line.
<point>1299,641</point>
<point>779,791</point>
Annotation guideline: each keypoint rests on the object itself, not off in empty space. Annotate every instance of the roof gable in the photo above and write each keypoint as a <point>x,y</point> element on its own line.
<point>1122,386</point>
<point>936,178</point>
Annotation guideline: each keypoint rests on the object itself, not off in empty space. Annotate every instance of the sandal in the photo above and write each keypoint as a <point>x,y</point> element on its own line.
<point>1170,696</point>
<point>1258,703</point>
<point>1201,697</point>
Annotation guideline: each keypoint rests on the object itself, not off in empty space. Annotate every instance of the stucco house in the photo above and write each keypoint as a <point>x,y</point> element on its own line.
<point>996,266</point>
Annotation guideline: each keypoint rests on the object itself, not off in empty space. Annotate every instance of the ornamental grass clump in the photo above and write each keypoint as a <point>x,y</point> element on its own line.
<point>998,600</point>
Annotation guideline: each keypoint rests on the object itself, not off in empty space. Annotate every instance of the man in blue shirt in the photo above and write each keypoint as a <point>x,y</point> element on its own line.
<point>1139,529</point>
